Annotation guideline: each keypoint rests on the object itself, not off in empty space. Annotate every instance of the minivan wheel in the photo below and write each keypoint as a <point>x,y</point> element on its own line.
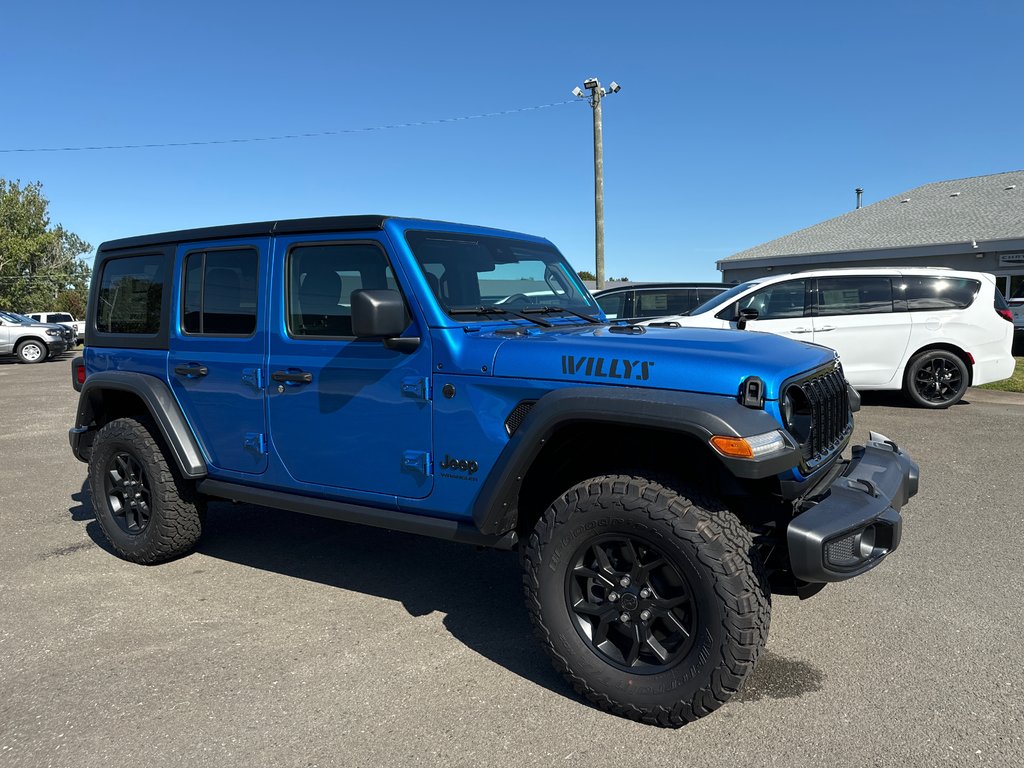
<point>32,351</point>
<point>648,600</point>
<point>146,509</point>
<point>936,378</point>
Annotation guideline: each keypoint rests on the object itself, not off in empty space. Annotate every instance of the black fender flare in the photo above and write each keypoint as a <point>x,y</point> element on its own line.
<point>698,415</point>
<point>160,404</point>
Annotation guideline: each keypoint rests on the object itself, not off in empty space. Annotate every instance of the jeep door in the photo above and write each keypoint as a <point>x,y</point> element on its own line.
<point>854,316</point>
<point>344,412</point>
<point>216,363</point>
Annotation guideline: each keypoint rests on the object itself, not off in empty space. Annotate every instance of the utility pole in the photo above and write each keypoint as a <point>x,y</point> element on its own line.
<point>597,93</point>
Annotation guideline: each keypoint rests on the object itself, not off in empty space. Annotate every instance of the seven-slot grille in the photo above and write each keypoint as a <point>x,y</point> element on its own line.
<point>831,421</point>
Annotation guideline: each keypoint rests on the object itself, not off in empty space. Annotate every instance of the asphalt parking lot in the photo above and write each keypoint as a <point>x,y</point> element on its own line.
<point>294,641</point>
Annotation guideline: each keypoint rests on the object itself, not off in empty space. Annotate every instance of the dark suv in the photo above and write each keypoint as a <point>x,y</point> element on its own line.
<point>460,382</point>
<point>645,301</point>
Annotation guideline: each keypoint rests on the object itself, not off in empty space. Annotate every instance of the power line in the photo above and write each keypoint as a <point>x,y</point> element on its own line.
<point>289,136</point>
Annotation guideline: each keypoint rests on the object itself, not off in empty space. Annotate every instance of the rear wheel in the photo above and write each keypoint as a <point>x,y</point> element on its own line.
<point>147,511</point>
<point>648,600</point>
<point>32,351</point>
<point>936,378</point>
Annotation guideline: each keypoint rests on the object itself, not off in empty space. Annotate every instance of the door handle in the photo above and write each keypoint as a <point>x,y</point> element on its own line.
<point>293,377</point>
<point>826,328</point>
<point>191,370</point>
<point>800,330</point>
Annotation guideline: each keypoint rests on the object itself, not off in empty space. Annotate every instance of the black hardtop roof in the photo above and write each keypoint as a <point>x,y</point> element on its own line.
<point>254,229</point>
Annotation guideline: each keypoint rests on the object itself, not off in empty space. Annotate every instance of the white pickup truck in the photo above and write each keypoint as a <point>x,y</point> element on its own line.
<point>63,318</point>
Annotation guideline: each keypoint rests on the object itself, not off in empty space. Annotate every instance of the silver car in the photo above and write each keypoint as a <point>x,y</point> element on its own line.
<point>32,342</point>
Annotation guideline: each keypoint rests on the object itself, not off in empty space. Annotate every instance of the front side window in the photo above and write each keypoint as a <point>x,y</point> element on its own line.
<point>854,295</point>
<point>220,292</point>
<point>613,305</point>
<point>774,302</point>
<point>470,272</point>
<point>923,294</point>
<point>130,295</point>
<point>321,280</point>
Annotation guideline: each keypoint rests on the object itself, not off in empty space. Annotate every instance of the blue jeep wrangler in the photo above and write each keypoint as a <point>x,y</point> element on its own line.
<point>460,382</point>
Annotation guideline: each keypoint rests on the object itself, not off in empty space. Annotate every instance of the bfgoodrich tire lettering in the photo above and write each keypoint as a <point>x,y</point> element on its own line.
<point>727,615</point>
<point>147,511</point>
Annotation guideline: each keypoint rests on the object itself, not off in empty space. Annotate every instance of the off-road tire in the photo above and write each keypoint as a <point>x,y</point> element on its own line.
<point>176,510</point>
<point>936,379</point>
<point>25,348</point>
<point>708,546</point>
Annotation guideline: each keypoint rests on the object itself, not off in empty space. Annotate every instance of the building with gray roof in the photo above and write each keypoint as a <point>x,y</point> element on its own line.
<point>974,224</point>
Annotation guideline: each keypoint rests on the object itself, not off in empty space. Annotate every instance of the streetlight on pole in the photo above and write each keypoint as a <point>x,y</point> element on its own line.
<point>597,93</point>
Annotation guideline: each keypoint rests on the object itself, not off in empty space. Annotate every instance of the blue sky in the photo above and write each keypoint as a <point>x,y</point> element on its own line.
<point>737,122</point>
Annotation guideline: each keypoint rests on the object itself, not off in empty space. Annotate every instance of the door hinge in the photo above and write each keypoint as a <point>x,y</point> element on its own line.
<point>253,377</point>
<point>255,441</point>
<point>419,462</point>
<point>416,386</point>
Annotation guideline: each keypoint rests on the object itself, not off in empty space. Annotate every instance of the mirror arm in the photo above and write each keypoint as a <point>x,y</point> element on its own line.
<point>403,343</point>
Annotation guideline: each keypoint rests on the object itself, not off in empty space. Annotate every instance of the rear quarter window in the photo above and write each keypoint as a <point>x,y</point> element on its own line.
<point>130,295</point>
<point>923,294</point>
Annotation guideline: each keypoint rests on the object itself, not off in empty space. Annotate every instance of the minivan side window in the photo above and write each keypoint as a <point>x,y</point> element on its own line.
<point>657,303</point>
<point>922,294</point>
<point>130,294</point>
<point>321,279</point>
<point>854,295</point>
<point>774,302</point>
<point>220,292</point>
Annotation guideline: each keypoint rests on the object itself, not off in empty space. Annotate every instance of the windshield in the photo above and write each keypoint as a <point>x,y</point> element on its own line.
<point>14,317</point>
<point>475,272</point>
<point>722,299</point>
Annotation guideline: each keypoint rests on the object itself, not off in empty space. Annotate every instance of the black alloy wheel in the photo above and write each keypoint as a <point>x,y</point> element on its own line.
<point>127,493</point>
<point>630,604</point>
<point>936,379</point>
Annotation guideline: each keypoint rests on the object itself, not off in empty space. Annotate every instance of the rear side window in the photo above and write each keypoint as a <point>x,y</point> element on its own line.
<point>860,295</point>
<point>61,317</point>
<point>219,294</point>
<point>922,294</point>
<point>130,295</point>
<point>321,279</point>
<point>668,302</point>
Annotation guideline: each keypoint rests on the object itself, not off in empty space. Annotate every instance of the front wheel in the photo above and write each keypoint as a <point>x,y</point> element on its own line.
<point>648,600</point>
<point>936,378</point>
<point>32,351</point>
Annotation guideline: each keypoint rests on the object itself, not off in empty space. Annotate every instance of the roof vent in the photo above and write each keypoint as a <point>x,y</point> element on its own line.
<point>954,194</point>
<point>905,200</point>
<point>1012,186</point>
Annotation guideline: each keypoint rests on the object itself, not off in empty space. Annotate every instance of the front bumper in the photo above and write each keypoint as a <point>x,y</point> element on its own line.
<point>855,523</point>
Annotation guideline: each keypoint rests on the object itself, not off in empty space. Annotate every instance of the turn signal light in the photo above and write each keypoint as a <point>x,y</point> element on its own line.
<point>749,447</point>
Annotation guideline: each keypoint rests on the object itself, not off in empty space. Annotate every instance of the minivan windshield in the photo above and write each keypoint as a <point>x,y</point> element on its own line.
<point>723,298</point>
<point>485,275</point>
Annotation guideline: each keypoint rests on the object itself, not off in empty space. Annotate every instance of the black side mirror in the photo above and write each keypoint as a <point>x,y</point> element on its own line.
<point>381,314</point>
<point>745,316</point>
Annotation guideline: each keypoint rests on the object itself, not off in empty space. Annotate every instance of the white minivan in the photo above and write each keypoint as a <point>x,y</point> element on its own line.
<point>931,332</point>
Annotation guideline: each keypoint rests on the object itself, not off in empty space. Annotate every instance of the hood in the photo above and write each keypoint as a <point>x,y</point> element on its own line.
<point>685,359</point>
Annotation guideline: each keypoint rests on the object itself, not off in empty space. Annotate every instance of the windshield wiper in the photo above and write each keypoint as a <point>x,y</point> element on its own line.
<point>546,310</point>
<point>498,311</point>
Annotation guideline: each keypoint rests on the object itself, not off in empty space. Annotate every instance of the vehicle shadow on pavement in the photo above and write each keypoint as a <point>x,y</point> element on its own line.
<point>479,591</point>
<point>896,399</point>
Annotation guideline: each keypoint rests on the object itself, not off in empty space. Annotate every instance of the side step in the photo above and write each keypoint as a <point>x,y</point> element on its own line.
<point>355,513</point>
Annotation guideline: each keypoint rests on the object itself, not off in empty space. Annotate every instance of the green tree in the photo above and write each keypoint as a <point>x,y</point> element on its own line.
<point>40,268</point>
<point>585,275</point>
